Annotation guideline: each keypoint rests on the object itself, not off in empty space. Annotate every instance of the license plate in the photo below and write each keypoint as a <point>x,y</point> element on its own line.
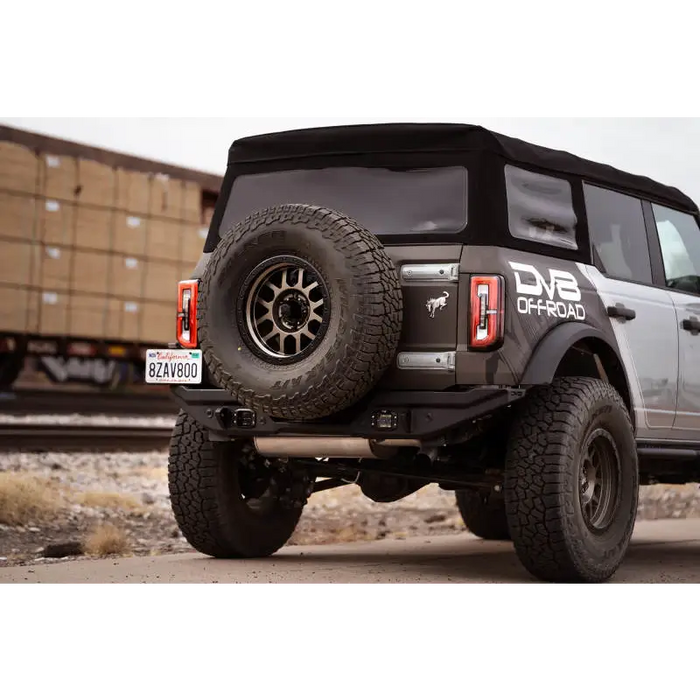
<point>174,367</point>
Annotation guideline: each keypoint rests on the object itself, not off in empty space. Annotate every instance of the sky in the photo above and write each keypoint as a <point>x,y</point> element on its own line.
<point>667,150</point>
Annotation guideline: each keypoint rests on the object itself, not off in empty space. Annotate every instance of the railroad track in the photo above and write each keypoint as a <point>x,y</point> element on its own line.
<point>23,402</point>
<point>82,438</point>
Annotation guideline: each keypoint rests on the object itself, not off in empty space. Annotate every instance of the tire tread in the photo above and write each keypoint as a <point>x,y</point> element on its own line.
<point>539,471</point>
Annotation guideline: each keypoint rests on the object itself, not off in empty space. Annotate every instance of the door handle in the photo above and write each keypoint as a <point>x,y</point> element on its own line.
<point>692,325</point>
<point>621,312</point>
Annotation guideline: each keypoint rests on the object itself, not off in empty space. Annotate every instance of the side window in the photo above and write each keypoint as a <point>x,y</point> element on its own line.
<point>679,236</point>
<point>618,234</point>
<point>541,208</point>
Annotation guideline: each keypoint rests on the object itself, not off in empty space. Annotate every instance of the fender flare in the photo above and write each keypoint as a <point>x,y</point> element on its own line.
<point>551,351</point>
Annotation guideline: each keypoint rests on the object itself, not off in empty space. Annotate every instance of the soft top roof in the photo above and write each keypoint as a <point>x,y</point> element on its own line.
<point>386,139</point>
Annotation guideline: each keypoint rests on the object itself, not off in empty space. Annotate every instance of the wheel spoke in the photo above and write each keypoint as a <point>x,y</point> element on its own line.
<point>284,337</point>
<point>599,481</point>
<point>280,302</point>
<point>285,279</point>
<point>264,319</point>
<point>593,475</point>
<point>276,291</point>
<point>300,279</point>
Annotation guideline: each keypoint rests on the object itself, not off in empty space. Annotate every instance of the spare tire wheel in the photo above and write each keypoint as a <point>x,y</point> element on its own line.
<point>300,312</point>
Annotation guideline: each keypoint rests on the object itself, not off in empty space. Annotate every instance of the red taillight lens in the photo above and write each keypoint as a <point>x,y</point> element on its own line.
<point>487,322</point>
<point>187,314</point>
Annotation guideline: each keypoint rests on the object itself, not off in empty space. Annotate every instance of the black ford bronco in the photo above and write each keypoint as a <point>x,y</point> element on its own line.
<point>399,305</point>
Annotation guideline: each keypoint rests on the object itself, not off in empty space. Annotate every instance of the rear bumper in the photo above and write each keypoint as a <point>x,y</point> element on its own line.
<point>416,415</point>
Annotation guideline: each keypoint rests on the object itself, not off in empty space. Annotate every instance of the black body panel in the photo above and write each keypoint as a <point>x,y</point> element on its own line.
<point>549,315</point>
<point>421,333</point>
<point>552,349</point>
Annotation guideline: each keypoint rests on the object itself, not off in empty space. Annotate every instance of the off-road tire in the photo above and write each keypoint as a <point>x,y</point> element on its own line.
<point>208,504</point>
<point>364,322</point>
<point>542,485</point>
<point>484,517</point>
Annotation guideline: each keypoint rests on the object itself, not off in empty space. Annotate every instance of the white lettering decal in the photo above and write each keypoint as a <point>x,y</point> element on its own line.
<point>559,288</point>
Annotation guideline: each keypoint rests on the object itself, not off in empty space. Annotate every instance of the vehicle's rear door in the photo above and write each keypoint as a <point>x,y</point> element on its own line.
<point>430,282</point>
<point>642,314</point>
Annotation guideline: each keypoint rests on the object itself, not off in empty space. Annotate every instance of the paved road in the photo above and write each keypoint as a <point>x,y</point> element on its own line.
<point>662,552</point>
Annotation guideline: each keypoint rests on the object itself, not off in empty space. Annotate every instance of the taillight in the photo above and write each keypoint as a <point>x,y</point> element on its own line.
<point>487,321</point>
<point>187,314</point>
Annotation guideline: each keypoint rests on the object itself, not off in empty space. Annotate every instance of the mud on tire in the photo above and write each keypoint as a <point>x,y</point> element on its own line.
<point>566,526</point>
<point>209,503</point>
<point>300,312</point>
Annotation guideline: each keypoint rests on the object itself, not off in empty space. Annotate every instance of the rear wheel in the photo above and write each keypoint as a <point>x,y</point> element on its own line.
<point>484,515</point>
<point>572,481</point>
<point>228,504</point>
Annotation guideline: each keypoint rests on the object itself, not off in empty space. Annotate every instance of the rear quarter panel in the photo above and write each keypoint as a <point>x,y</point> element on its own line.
<point>542,293</point>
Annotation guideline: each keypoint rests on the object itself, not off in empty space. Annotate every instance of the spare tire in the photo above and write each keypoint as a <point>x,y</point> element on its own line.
<point>300,312</point>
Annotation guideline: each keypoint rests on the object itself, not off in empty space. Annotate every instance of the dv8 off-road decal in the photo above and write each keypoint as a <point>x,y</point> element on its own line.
<point>556,294</point>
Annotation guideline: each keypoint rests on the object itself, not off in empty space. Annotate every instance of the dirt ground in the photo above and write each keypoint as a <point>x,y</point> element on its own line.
<point>82,492</point>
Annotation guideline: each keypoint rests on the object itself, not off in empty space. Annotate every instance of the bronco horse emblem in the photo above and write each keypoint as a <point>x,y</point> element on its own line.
<point>439,304</point>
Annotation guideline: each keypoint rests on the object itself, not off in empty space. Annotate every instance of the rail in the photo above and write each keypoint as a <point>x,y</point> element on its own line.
<point>22,402</point>
<point>82,438</point>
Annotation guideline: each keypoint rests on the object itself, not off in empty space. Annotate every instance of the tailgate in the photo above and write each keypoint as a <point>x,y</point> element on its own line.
<point>430,282</point>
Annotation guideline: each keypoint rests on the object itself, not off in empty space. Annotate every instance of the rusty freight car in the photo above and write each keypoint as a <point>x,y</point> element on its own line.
<point>92,247</point>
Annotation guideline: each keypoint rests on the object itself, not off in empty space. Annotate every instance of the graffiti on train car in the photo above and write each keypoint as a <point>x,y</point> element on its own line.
<point>78,369</point>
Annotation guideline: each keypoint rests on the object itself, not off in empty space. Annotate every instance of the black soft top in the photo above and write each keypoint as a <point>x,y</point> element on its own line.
<point>442,142</point>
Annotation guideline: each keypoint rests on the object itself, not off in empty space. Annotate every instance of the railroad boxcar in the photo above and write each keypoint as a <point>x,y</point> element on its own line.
<point>92,246</point>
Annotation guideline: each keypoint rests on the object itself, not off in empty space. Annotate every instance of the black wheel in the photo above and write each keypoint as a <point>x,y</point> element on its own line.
<point>226,502</point>
<point>572,481</point>
<point>484,515</point>
<point>300,312</point>
<point>11,365</point>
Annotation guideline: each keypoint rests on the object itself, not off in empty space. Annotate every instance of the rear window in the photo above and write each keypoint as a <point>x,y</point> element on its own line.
<point>386,202</point>
<point>541,208</point>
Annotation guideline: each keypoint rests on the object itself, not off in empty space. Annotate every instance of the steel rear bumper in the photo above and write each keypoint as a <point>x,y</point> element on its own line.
<point>412,415</point>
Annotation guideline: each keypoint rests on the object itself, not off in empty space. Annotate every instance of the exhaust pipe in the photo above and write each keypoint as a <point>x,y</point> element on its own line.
<point>331,447</point>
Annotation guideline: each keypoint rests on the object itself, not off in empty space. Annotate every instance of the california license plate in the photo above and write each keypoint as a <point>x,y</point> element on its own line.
<point>174,367</point>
